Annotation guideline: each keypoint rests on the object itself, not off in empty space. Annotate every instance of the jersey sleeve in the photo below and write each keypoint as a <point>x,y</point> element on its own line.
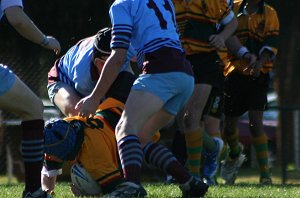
<point>51,168</point>
<point>122,24</point>
<point>9,3</point>
<point>271,32</point>
<point>224,9</point>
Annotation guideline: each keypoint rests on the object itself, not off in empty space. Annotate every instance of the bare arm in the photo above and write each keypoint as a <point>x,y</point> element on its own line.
<point>233,44</point>
<point>25,27</point>
<point>218,40</point>
<point>110,71</point>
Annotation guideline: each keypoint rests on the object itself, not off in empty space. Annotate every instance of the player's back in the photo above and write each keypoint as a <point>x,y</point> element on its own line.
<point>151,23</point>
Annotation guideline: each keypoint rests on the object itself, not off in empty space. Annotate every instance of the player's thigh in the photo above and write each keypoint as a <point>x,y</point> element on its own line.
<point>22,101</point>
<point>152,93</point>
<point>64,97</point>
<point>139,108</point>
<point>213,111</point>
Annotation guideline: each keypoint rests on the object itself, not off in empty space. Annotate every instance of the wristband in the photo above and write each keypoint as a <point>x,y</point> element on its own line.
<point>45,41</point>
<point>242,52</point>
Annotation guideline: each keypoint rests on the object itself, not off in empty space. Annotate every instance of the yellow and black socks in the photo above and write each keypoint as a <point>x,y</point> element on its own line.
<point>194,143</point>
<point>261,148</point>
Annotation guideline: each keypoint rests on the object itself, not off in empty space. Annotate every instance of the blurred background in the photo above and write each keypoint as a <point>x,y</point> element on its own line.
<point>70,21</point>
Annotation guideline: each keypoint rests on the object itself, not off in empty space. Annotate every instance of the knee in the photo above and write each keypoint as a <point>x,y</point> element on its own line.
<point>256,129</point>
<point>191,121</point>
<point>123,129</point>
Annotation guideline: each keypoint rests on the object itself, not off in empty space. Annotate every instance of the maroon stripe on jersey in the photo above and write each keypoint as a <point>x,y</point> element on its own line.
<point>164,60</point>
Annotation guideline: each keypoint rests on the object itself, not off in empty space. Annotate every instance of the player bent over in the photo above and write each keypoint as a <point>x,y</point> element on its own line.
<point>88,141</point>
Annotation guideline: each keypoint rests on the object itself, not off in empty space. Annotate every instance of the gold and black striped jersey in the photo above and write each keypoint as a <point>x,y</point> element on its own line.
<point>257,32</point>
<point>197,20</point>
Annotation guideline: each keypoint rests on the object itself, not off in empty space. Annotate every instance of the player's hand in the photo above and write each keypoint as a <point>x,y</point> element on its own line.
<point>87,106</point>
<point>251,60</point>
<point>48,183</point>
<point>217,41</point>
<point>53,44</point>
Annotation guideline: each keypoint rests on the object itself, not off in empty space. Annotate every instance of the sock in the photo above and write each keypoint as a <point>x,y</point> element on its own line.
<point>194,144</point>
<point>32,152</point>
<point>131,157</point>
<point>160,157</point>
<point>261,148</point>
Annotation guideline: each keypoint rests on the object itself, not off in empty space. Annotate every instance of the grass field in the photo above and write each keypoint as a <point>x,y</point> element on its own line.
<point>247,186</point>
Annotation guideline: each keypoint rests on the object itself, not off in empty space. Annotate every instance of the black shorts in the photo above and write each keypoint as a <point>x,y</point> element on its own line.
<point>206,67</point>
<point>243,93</point>
<point>214,104</point>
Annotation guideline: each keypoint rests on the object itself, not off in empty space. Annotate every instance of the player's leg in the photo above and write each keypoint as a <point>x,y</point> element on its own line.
<point>260,143</point>
<point>192,129</point>
<point>206,70</point>
<point>64,97</point>
<point>139,107</point>
<point>18,98</point>
<point>151,105</point>
<point>258,103</point>
<point>234,92</point>
<point>161,157</point>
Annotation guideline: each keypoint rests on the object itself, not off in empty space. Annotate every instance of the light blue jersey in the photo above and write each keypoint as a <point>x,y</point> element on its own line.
<point>74,68</point>
<point>145,24</point>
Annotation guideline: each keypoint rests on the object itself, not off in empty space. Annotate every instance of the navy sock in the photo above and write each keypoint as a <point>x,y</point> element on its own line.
<point>32,152</point>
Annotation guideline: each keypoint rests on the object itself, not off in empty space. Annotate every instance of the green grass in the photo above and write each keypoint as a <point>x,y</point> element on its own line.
<point>161,190</point>
<point>246,186</point>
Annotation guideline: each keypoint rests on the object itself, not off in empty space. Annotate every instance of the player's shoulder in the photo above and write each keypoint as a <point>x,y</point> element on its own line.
<point>269,8</point>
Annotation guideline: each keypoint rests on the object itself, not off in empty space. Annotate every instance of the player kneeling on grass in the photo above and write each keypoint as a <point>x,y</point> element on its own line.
<point>89,142</point>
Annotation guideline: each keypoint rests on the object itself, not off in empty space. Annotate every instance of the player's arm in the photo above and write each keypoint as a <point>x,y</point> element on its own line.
<point>229,24</point>
<point>51,168</point>
<point>110,71</point>
<point>25,27</point>
<point>48,183</point>
<point>264,57</point>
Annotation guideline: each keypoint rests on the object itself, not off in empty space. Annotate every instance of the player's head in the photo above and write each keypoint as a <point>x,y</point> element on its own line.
<point>63,139</point>
<point>102,44</point>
